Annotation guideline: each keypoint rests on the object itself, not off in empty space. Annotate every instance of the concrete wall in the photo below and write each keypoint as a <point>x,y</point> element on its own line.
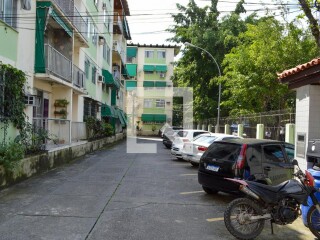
<point>307,117</point>
<point>30,166</point>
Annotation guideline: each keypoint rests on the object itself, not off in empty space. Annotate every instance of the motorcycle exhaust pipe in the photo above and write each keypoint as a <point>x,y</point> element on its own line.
<point>247,191</point>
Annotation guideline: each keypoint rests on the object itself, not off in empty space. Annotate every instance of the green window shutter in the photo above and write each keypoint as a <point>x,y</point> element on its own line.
<point>131,52</point>
<point>132,70</point>
<point>148,83</point>
<point>161,68</point>
<point>108,78</point>
<point>106,111</point>
<point>148,68</point>
<point>161,84</point>
<point>147,117</point>
<point>131,84</point>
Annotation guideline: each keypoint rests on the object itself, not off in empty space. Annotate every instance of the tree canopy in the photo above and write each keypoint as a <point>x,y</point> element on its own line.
<point>249,50</point>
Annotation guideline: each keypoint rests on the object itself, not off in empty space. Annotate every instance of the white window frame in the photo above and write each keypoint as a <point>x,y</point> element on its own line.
<point>161,54</point>
<point>149,54</point>
<point>148,103</point>
<point>160,103</point>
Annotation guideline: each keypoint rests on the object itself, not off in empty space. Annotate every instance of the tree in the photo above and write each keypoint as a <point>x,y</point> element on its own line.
<point>313,22</point>
<point>250,69</point>
<point>202,27</point>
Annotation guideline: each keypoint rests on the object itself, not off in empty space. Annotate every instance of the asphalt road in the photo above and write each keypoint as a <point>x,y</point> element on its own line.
<point>116,195</point>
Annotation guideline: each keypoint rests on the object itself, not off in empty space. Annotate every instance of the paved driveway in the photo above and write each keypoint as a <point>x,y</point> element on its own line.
<point>113,195</point>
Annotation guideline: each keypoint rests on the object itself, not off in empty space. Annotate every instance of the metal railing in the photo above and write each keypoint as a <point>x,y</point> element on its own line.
<point>79,22</point>
<point>58,129</point>
<point>78,77</point>
<point>78,131</point>
<point>62,67</point>
<point>72,13</point>
<point>57,64</point>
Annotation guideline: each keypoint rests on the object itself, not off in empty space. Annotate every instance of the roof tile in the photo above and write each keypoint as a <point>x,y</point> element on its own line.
<point>299,68</point>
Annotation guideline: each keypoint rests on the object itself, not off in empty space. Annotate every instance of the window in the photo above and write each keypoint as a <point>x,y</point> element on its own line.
<point>8,8</point>
<point>161,54</point>
<point>148,54</point>
<point>290,151</point>
<point>104,51</point>
<point>86,68</point>
<point>94,35</point>
<point>108,54</point>
<point>88,26</point>
<point>273,153</point>
<point>147,103</point>
<point>93,76</point>
<point>160,103</point>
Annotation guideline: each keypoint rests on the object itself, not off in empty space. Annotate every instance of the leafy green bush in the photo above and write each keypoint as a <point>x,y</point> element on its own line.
<point>11,154</point>
<point>107,129</point>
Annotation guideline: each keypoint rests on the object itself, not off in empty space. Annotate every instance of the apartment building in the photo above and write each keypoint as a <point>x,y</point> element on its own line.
<point>149,89</point>
<point>66,49</point>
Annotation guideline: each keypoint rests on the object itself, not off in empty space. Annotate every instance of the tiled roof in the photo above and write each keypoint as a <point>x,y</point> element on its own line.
<point>298,68</point>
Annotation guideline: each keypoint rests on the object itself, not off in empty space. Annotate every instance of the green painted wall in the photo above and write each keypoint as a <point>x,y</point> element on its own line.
<point>105,95</point>
<point>10,135</point>
<point>91,88</point>
<point>154,76</point>
<point>154,110</point>
<point>8,42</point>
<point>155,58</point>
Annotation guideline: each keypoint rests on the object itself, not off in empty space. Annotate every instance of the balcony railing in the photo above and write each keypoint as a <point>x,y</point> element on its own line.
<point>79,22</point>
<point>62,67</point>
<point>57,64</point>
<point>78,77</point>
<point>118,47</point>
<point>58,129</point>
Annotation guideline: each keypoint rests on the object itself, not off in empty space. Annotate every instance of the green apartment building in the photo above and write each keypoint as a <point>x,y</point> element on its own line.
<point>149,89</point>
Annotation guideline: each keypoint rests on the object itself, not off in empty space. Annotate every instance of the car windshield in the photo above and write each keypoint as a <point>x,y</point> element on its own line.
<point>223,151</point>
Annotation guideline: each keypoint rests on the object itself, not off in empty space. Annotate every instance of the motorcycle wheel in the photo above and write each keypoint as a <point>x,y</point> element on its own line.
<point>313,220</point>
<point>237,222</point>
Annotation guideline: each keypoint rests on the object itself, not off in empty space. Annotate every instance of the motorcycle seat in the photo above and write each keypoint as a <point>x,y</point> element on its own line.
<point>275,188</point>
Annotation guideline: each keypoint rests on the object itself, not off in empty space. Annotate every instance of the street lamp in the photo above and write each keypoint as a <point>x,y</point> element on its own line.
<point>219,98</point>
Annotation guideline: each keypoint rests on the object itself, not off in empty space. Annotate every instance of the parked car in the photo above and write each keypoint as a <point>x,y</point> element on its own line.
<point>192,151</point>
<point>264,161</point>
<point>169,137</point>
<point>167,128</point>
<point>182,137</point>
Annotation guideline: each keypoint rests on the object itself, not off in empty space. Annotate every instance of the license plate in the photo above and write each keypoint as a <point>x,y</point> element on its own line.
<point>212,168</point>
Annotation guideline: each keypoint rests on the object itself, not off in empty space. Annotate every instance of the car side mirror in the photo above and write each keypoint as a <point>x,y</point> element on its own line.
<point>295,162</point>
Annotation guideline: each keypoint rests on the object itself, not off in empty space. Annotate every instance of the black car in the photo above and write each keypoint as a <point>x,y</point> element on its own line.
<point>265,161</point>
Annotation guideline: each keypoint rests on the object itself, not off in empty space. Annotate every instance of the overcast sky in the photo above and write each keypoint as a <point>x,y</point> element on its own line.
<point>150,18</point>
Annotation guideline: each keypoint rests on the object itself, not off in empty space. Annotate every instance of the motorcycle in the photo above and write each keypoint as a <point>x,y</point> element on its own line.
<point>245,217</point>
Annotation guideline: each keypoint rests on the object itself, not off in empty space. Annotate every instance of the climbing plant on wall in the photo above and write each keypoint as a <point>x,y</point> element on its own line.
<point>12,104</point>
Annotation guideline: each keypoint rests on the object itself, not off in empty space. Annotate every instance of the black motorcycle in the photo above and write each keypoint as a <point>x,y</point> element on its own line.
<point>245,217</point>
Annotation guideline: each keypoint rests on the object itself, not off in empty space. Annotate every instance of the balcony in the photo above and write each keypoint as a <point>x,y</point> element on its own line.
<point>69,12</point>
<point>118,47</point>
<point>60,69</point>
<point>117,24</point>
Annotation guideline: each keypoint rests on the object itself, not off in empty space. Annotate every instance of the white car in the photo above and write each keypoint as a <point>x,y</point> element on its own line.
<point>192,151</point>
<point>182,137</point>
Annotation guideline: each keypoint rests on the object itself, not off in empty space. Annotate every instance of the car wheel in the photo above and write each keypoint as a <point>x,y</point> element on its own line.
<point>167,146</point>
<point>209,190</point>
<point>194,164</point>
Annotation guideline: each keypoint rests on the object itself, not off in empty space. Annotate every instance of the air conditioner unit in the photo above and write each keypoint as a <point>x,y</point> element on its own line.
<point>104,6</point>
<point>162,75</point>
<point>101,78</point>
